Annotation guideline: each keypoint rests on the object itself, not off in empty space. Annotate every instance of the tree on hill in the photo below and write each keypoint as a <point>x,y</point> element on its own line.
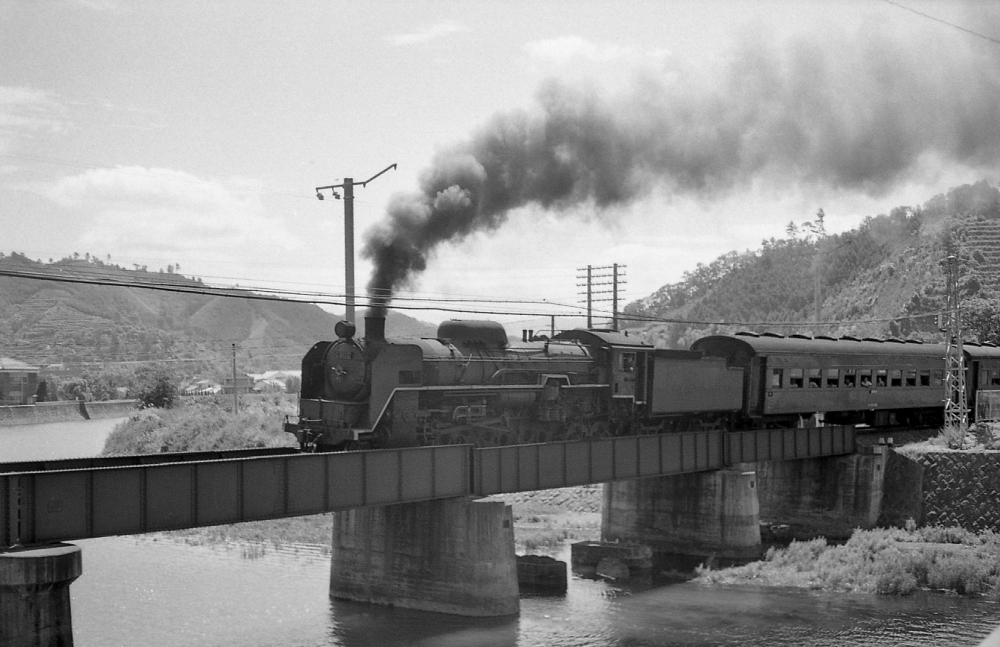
<point>878,277</point>
<point>160,393</point>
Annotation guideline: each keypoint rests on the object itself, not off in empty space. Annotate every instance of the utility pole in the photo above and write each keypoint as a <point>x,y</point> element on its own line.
<point>956,413</point>
<point>605,275</point>
<point>348,186</point>
<point>236,390</point>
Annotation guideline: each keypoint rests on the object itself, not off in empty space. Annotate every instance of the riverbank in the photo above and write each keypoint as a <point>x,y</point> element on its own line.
<point>205,425</point>
<point>545,522</point>
<point>884,561</point>
<point>64,411</point>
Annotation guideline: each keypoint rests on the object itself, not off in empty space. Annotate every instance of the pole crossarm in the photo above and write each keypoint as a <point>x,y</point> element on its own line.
<point>348,187</point>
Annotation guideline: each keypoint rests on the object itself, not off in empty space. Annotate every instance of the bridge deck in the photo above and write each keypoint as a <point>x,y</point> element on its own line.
<point>53,501</point>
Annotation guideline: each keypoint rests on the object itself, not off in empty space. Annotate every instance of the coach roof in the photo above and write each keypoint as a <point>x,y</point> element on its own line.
<point>744,346</point>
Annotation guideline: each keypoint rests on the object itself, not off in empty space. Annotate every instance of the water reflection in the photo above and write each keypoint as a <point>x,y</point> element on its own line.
<point>363,625</point>
<point>156,593</point>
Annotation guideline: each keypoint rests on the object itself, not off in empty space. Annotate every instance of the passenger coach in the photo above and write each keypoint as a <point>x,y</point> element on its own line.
<point>834,381</point>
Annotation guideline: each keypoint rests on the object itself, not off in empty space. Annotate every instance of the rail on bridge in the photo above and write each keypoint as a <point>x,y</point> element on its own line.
<point>55,501</point>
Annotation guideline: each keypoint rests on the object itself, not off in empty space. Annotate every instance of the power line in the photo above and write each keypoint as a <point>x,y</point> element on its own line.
<point>943,22</point>
<point>243,293</point>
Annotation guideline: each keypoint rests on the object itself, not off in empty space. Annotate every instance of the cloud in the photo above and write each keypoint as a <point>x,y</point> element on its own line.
<point>428,34</point>
<point>165,213</point>
<point>24,111</point>
<point>99,5</point>
<point>567,50</point>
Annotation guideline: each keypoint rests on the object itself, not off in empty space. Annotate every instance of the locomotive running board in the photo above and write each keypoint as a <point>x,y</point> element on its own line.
<point>474,389</point>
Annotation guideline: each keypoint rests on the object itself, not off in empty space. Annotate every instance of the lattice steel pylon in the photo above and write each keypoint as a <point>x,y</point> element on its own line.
<point>956,413</point>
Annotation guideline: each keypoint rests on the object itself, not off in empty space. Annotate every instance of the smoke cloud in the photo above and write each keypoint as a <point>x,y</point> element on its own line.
<point>858,113</point>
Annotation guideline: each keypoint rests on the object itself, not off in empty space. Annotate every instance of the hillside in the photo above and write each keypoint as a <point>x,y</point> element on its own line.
<point>872,281</point>
<point>51,322</point>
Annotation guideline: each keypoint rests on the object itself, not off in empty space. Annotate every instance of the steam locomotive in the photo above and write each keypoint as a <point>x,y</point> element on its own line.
<point>471,384</point>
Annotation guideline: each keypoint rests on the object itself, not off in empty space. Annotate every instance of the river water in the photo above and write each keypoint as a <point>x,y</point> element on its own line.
<point>155,592</point>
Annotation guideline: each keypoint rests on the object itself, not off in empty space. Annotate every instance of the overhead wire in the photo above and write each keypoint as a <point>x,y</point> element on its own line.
<point>265,294</point>
<point>943,22</point>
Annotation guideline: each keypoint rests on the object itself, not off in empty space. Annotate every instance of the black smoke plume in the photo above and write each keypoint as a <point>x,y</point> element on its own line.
<point>858,113</point>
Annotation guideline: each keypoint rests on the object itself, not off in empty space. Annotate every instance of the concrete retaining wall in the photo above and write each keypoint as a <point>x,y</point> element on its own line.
<point>65,411</point>
<point>943,489</point>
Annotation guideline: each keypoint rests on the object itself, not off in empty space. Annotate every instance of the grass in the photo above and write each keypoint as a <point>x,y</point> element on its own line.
<point>204,425</point>
<point>255,538</point>
<point>540,529</point>
<point>982,436</point>
<point>887,562</point>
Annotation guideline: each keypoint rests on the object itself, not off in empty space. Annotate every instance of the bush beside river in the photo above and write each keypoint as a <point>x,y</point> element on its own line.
<point>885,561</point>
<point>205,425</point>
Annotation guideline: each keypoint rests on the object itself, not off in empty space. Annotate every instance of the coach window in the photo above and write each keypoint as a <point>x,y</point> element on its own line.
<point>776,377</point>
<point>832,378</point>
<point>911,377</point>
<point>850,378</point>
<point>995,379</point>
<point>866,378</point>
<point>925,378</point>
<point>896,377</point>
<point>795,378</point>
<point>628,362</point>
<point>881,377</point>
<point>815,378</point>
<point>937,378</point>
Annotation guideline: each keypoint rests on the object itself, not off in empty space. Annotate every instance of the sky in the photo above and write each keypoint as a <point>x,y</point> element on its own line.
<point>533,138</point>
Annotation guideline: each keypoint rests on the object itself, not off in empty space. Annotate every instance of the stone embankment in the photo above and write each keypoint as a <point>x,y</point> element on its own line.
<point>942,488</point>
<point>65,411</point>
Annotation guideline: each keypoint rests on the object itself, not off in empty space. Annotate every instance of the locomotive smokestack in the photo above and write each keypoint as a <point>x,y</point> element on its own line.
<point>374,328</point>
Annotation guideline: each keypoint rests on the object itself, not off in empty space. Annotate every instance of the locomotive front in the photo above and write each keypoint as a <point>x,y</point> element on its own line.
<point>467,384</point>
<point>336,385</point>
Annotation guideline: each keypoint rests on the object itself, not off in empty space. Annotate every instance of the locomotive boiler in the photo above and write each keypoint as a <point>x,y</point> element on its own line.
<point>471,384</point>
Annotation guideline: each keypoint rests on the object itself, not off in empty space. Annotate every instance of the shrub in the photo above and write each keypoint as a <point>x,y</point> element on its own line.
<point>161,393</point>
<point>953,437</point>
<point>895,580</point>
<point>202,426</point>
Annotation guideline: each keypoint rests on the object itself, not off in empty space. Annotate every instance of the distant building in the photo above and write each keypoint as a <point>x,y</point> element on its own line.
<point>18,382</point>
<point>201,387</point>
<point>244,384</point>
<point>275,381</point>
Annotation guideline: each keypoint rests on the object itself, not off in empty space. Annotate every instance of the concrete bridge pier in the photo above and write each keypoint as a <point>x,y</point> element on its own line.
<point>700,514</point>
<point>34,595</point>
<point>449,555</point>
<point>827,497</point>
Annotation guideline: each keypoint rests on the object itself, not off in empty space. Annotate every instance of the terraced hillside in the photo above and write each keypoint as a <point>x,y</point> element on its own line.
<point>884,278</point>
<point>980,248</point>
